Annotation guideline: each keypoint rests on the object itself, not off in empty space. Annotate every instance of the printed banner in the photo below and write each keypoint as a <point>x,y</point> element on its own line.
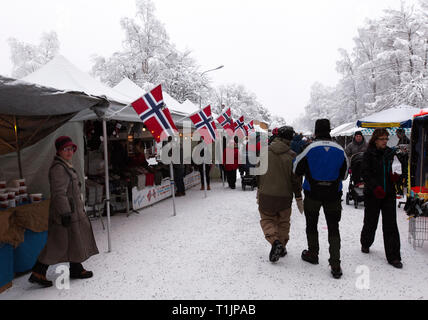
<point>150,195</point>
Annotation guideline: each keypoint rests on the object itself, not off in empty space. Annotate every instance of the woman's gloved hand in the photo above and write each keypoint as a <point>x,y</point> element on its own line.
<point>66,221</point>
<point>379,192</point>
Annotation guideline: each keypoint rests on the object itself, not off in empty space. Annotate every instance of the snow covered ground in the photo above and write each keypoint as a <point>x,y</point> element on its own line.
<point>215,249</point>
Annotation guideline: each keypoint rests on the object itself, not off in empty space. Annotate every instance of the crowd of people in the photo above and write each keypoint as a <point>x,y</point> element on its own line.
<point>297,167</point>
<point>324,164</point>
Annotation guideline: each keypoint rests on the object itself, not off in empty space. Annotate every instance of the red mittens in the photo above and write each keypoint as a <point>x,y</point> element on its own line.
<point>395,177</point>
<point>379,192</point>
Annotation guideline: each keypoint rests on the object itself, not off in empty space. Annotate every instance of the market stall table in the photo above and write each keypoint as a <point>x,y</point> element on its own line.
<point>23,234</point>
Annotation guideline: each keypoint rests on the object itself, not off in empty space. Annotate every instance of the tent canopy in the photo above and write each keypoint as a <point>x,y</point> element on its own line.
<point>30,112</point>
<point>343,130</point>
<point>62,74</point>
<point>400,116</point>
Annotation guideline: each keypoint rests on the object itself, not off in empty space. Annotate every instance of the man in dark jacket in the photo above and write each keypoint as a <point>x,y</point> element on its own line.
<point>275,193</point>
<point>324,165</point>
<point>297,144</point>
<point>357,145</point>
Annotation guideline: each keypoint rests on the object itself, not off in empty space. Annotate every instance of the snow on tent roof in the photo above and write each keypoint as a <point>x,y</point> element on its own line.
<point>21,98</point>
<point>189,107</point>
<point>347,129</point>
<point>131,89</point>
<point>400,116</point>
<point>61,74</point>
<point>336,131</point>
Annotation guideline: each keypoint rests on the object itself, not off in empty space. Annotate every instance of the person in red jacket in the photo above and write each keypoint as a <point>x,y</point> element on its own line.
<point>231,162</point>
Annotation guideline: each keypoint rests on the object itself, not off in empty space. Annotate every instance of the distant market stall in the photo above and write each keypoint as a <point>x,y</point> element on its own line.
<point>397,117</point>
<point>391,119</point>
<point>119,126</point>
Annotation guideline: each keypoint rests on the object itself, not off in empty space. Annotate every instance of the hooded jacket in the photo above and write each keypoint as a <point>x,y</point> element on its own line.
<point>278,184</point>
<point>354,147</point>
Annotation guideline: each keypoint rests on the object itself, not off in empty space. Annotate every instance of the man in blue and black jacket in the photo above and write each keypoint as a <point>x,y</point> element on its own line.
<point>324,165</point>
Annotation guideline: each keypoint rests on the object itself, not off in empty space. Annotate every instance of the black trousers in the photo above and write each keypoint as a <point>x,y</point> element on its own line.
<point>41,268</point>
<point>179,178</point>
<point>333,214</point>
<point>207,173</point>
<point>231,178</point>
<point>391,235</point>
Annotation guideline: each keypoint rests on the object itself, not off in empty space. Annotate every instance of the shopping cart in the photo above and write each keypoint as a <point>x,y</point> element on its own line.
<point>418,231</point>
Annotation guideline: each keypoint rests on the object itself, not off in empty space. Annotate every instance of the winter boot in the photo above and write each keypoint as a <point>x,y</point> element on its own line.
<point>396,264</point>
<point>310,257</point>
<point>78,272</point>
<point>365,250</point>
<point>336,271</point>
<point>275,252</point>
<point>40,279</point>
<point>283,252</point>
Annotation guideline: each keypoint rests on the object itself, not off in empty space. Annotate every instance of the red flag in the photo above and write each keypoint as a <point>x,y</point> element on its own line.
<point>240,128</point>
<point>157,118</point>
<point>204,123</point>
<point>250,126</point>
<point>226,121</point>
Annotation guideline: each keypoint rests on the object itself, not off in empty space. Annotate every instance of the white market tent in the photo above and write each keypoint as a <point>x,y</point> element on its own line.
<point>61,74</point>
<point>189,107</point>
<point>343,129</point>
<point>41,114</point>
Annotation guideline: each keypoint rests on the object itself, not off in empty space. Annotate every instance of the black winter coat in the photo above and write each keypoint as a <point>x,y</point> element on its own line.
<point>376,171</point>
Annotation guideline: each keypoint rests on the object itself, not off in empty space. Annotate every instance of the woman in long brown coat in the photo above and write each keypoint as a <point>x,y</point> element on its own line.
<point>70,235</point>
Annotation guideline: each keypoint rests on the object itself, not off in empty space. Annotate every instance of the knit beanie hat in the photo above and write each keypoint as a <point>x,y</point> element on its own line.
<point>286,132</point>
<point>322,126</point>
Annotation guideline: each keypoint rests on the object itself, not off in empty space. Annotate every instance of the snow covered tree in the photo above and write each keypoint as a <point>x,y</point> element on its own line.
<point>148,56</point>
<point>241,101</point>
<point>387,67</point>
<point>27,58</point>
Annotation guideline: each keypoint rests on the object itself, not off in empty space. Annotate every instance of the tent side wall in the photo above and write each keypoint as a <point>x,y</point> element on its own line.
<point>36,159</point>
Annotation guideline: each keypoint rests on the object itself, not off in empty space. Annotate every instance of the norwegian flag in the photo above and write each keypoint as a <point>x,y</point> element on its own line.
<point>204,123</point>
<point>226,121</point>
<point>250,126</point>
<point>157,118</point>
<point>240,128</point>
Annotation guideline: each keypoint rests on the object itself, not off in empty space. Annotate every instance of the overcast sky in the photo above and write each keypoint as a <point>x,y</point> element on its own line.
<point>276,48</point>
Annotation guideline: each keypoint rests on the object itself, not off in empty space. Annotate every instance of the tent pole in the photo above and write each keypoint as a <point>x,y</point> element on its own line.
<point>18,151</point>
<point>205,178</point>
<point>172,182</point>
<point>107,183</point>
